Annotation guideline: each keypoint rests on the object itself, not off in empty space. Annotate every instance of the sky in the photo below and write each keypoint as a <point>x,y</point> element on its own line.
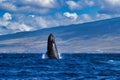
<point>29,15</point>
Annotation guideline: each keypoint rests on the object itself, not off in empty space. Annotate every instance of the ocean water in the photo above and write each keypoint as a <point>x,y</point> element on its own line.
<point>69,67</point>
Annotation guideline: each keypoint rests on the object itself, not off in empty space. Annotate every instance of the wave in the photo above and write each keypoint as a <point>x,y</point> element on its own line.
<point>114,62</point>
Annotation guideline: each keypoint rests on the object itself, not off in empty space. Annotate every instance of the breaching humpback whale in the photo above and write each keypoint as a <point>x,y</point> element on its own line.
<point>52,52</point>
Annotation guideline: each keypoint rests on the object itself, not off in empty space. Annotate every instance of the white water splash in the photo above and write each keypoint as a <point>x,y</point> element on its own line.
<point>60,57</point>
<point>44,56</point>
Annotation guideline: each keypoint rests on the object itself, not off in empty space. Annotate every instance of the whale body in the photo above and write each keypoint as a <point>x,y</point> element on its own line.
<point>52,52</point>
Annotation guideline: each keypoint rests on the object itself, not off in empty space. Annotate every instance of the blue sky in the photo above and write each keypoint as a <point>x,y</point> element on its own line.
<point>27,15</point>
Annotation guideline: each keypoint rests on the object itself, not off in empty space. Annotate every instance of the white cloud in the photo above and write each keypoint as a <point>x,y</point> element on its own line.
<point>85,18</point>
<point>89,2</point>
<point>1,1</point>
<point>73,5</point>
<point>109,6</point>
<point>113,2</point>
<point>8,26</point>
<point>73,16</point>
<point>14,26</point>
<point>80,4</point>
<point>8,6</point>
<point>7,16</point>
<point>34,22</point>
<point>90,18</point>
<point>103,16</point>
<point>18,27</point>
<point>106,6</point>
<point>34,14</point>
<point>29,6</point>
<point>42,22</point>
<point>41,3</point>
<point>3,22</point>
<point>24,27</point>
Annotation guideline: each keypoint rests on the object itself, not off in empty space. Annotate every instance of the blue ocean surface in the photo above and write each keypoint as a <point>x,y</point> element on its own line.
<point>69,67</point>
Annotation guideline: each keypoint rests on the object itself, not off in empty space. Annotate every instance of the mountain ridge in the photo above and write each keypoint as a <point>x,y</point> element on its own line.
<point>58,27</point>
<point>87,37</point>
